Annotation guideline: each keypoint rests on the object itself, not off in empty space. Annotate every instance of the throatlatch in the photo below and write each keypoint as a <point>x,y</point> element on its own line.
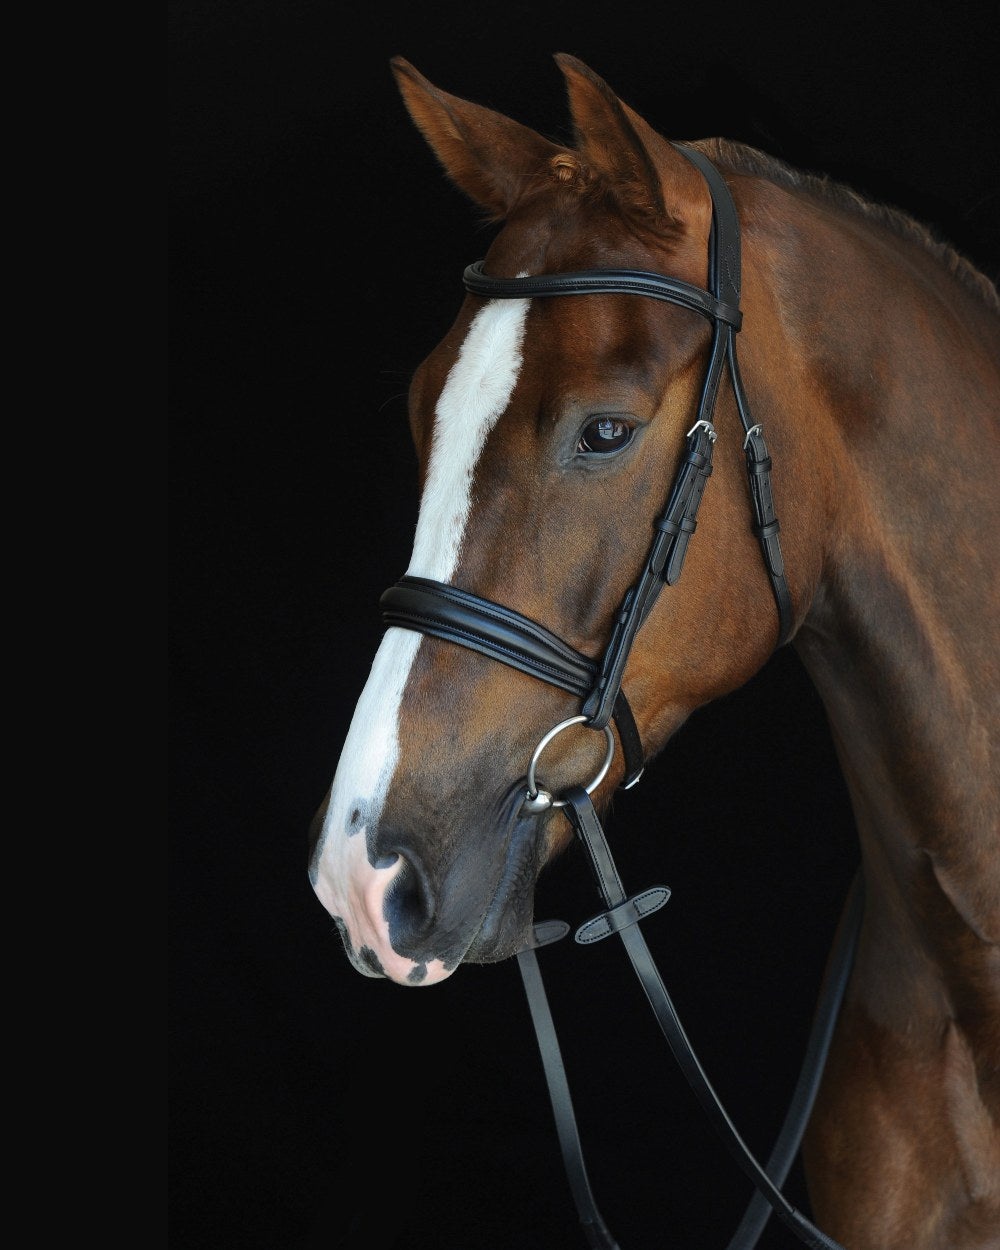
<point>444,611</point>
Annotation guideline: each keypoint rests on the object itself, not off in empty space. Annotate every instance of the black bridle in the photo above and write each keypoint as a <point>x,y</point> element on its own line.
<point>443,611</point>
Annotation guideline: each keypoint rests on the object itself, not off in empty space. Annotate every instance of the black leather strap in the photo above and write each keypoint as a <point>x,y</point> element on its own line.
<point>725,249</point>
<point>800,1108</point>
<point>545,932</point>
<point>663,562</point>
<point>789,1139</point>
<point>584,819</point>
<point>602,282</point>
<point>766,527</point>
<point>594,1229</point>
<point>726,281</point>
<point>634,909</point>
<point>444,611</point>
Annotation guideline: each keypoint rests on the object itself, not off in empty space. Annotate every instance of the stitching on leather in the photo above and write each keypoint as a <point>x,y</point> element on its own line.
<point>603,926</point>
<point>585,937</point>
<point>651,900</point>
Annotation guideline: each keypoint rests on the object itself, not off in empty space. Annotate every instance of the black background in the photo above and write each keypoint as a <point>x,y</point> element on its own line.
<point>316,255</point>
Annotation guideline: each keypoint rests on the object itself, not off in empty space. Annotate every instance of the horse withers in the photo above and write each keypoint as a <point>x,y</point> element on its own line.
<point>547,430</point>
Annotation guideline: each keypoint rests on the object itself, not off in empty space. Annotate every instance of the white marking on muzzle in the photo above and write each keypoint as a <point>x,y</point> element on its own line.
<point>476,392</point>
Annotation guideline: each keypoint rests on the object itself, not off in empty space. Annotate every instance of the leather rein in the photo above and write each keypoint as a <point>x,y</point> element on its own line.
<point>443,611</point>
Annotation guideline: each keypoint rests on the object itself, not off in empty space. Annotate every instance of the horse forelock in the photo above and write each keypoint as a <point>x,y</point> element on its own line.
<point>590,221</point>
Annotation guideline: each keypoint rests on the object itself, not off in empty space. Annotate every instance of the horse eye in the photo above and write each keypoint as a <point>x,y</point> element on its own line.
<point>605,434</point>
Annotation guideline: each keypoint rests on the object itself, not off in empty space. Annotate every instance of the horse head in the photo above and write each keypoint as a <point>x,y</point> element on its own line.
<point>547,433</point>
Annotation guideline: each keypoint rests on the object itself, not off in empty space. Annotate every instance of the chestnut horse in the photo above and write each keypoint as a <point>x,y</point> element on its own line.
<point>546,431</point>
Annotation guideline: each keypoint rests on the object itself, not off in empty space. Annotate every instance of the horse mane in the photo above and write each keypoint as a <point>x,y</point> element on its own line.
<point>741,158</point>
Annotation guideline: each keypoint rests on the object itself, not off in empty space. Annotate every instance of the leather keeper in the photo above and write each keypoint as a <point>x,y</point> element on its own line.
<point>628,913</point>
<point>545,932</point>
<point>684,526</point>
<point>675,561</point>
<point>698,460</point>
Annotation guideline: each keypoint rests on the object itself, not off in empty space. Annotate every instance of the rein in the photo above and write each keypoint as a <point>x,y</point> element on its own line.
<point>443,611</point>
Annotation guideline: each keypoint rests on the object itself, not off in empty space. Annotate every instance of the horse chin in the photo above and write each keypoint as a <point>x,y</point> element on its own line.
<point>505,931</point>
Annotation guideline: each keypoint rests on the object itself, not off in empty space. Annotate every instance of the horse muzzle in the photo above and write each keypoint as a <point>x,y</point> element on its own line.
<point>412,911</point>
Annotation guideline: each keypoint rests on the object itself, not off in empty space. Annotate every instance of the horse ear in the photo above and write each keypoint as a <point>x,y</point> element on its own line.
<point>650,175</point>
<point>490,157</point>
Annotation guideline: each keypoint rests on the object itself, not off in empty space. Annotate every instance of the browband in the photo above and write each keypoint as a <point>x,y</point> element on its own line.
<point>602,282</point>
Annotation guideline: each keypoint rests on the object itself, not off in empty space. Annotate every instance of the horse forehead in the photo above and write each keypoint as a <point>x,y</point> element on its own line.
<point>580,336</point>
<point>542,350</point>
<point>587,334</point>
<point>565,231</point>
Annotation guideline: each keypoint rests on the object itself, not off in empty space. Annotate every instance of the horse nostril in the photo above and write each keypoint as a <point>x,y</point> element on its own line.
<point>409,905</point>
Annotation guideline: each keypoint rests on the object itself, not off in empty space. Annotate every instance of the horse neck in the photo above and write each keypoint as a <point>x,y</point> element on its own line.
<point>896,416</point>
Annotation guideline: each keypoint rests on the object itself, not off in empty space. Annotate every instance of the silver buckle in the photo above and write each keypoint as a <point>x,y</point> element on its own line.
<point>709,429</point>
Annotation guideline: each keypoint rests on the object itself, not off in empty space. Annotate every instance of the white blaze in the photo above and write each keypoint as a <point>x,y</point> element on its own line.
<point>476,392</point>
